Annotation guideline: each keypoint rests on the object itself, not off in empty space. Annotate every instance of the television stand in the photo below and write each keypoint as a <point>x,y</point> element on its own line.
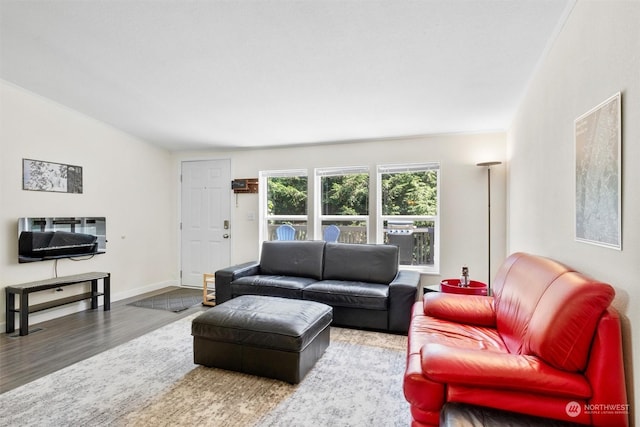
<point>25,289</point>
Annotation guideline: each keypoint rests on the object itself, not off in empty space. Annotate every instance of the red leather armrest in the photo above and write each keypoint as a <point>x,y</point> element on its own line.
<point>469,309</point>
<point>489,369</point>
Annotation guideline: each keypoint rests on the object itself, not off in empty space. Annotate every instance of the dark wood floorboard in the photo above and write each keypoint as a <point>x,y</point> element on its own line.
<point>66,340</point>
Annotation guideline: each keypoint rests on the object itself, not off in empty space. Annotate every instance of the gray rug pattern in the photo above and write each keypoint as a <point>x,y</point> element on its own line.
<point>98,390</point>
<point>152,381</point>
<point>176,300</point>
<point>351,385</point>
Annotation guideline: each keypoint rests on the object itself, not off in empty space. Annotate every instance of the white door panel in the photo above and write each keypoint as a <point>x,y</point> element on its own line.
<point>205,211</point>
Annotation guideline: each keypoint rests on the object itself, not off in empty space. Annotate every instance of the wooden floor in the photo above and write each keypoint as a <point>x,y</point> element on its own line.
<point>61,342</point>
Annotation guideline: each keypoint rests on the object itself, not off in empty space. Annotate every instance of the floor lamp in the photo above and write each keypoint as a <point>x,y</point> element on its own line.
<point>488,166</point>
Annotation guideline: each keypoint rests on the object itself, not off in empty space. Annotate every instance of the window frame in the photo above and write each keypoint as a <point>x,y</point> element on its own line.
<point>380,218</point>
<point>319,217</point>
<point>263,212</point>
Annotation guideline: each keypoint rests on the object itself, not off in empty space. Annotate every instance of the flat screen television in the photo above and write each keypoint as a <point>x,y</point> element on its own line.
<point>46,238</point>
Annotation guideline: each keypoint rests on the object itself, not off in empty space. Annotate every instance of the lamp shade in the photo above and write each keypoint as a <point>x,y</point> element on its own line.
<point>488,163</point>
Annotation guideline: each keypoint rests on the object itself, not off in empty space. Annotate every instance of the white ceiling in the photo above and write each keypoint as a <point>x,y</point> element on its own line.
<point>191,74</point>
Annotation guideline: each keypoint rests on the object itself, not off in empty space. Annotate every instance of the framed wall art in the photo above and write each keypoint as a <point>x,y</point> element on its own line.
<point>598,152</point>
<point>38,175</point>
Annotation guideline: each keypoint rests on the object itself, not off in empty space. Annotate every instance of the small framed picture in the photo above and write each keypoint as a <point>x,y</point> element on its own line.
<point>38,175</point>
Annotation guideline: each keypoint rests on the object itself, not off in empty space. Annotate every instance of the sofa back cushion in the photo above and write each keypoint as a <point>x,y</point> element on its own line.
<point>563,325</point>
<point>518,287</point>
<point>544,308</point>
<point>292,258</point>
<point>360,263</point>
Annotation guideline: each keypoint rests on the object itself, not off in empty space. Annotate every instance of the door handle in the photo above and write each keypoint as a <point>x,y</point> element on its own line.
<point>225,236</point>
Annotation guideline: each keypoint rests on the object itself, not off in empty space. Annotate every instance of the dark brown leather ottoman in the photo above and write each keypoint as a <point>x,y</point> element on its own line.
<point>267,336</point>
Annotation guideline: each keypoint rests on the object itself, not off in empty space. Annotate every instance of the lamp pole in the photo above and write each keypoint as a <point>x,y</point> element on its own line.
<point>488,166</point>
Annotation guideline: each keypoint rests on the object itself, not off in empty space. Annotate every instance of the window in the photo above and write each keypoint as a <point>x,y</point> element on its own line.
<point>283,200</point>
<point>342,199</point>
<point>408,206</point>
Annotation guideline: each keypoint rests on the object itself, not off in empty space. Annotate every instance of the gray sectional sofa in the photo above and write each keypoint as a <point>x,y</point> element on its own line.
<point>361,282</point>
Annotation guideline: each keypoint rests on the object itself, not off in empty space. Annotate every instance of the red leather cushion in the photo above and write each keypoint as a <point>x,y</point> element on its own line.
<point>519,286</point>
<point>469,309</point>
<point>562,327</point>
<point>429,330</point>
<point>496,370</point>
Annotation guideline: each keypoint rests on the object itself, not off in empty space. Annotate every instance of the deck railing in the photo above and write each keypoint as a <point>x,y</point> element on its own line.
<point>415,249</point>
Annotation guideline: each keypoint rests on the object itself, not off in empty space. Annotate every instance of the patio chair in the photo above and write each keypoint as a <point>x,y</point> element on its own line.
<point>331,233</point>
<point>285,232</point>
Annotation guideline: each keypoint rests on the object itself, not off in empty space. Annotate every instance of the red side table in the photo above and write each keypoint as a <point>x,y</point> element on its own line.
<point>452,286</point>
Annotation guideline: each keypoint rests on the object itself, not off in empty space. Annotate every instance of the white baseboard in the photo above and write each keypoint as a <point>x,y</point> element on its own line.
<point>138,291</point>
<point>54,313</point>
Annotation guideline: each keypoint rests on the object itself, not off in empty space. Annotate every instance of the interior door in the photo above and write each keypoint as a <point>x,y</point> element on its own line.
<point>205,227</point>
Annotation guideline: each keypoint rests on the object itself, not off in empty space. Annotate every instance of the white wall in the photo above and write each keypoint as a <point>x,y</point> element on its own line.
<point>136,186</point>
<point>463,189</point>
<point>126,180</point>
<point>596,55</point>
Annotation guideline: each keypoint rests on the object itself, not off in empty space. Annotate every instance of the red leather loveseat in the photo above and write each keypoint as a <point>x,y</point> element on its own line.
<point>547,343</point>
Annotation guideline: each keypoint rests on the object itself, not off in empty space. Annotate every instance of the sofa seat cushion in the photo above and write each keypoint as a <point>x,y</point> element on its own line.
<point>430,330</point>
<point>342,293</point>
<point>268,285</point>
<point>495,370</point>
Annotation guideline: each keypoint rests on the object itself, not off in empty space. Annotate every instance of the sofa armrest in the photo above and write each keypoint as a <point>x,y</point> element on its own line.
<point>227,275</point>
<point>402,295</point>
<point>490,369</point>
<point>605,371</point>
<point>469,309</point>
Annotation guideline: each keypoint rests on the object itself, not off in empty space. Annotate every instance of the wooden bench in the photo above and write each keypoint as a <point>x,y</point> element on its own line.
<point>25,289</point>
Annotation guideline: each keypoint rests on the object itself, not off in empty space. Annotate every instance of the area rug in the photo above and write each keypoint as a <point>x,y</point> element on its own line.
<point>152,381</point>
<point>176,300</point>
